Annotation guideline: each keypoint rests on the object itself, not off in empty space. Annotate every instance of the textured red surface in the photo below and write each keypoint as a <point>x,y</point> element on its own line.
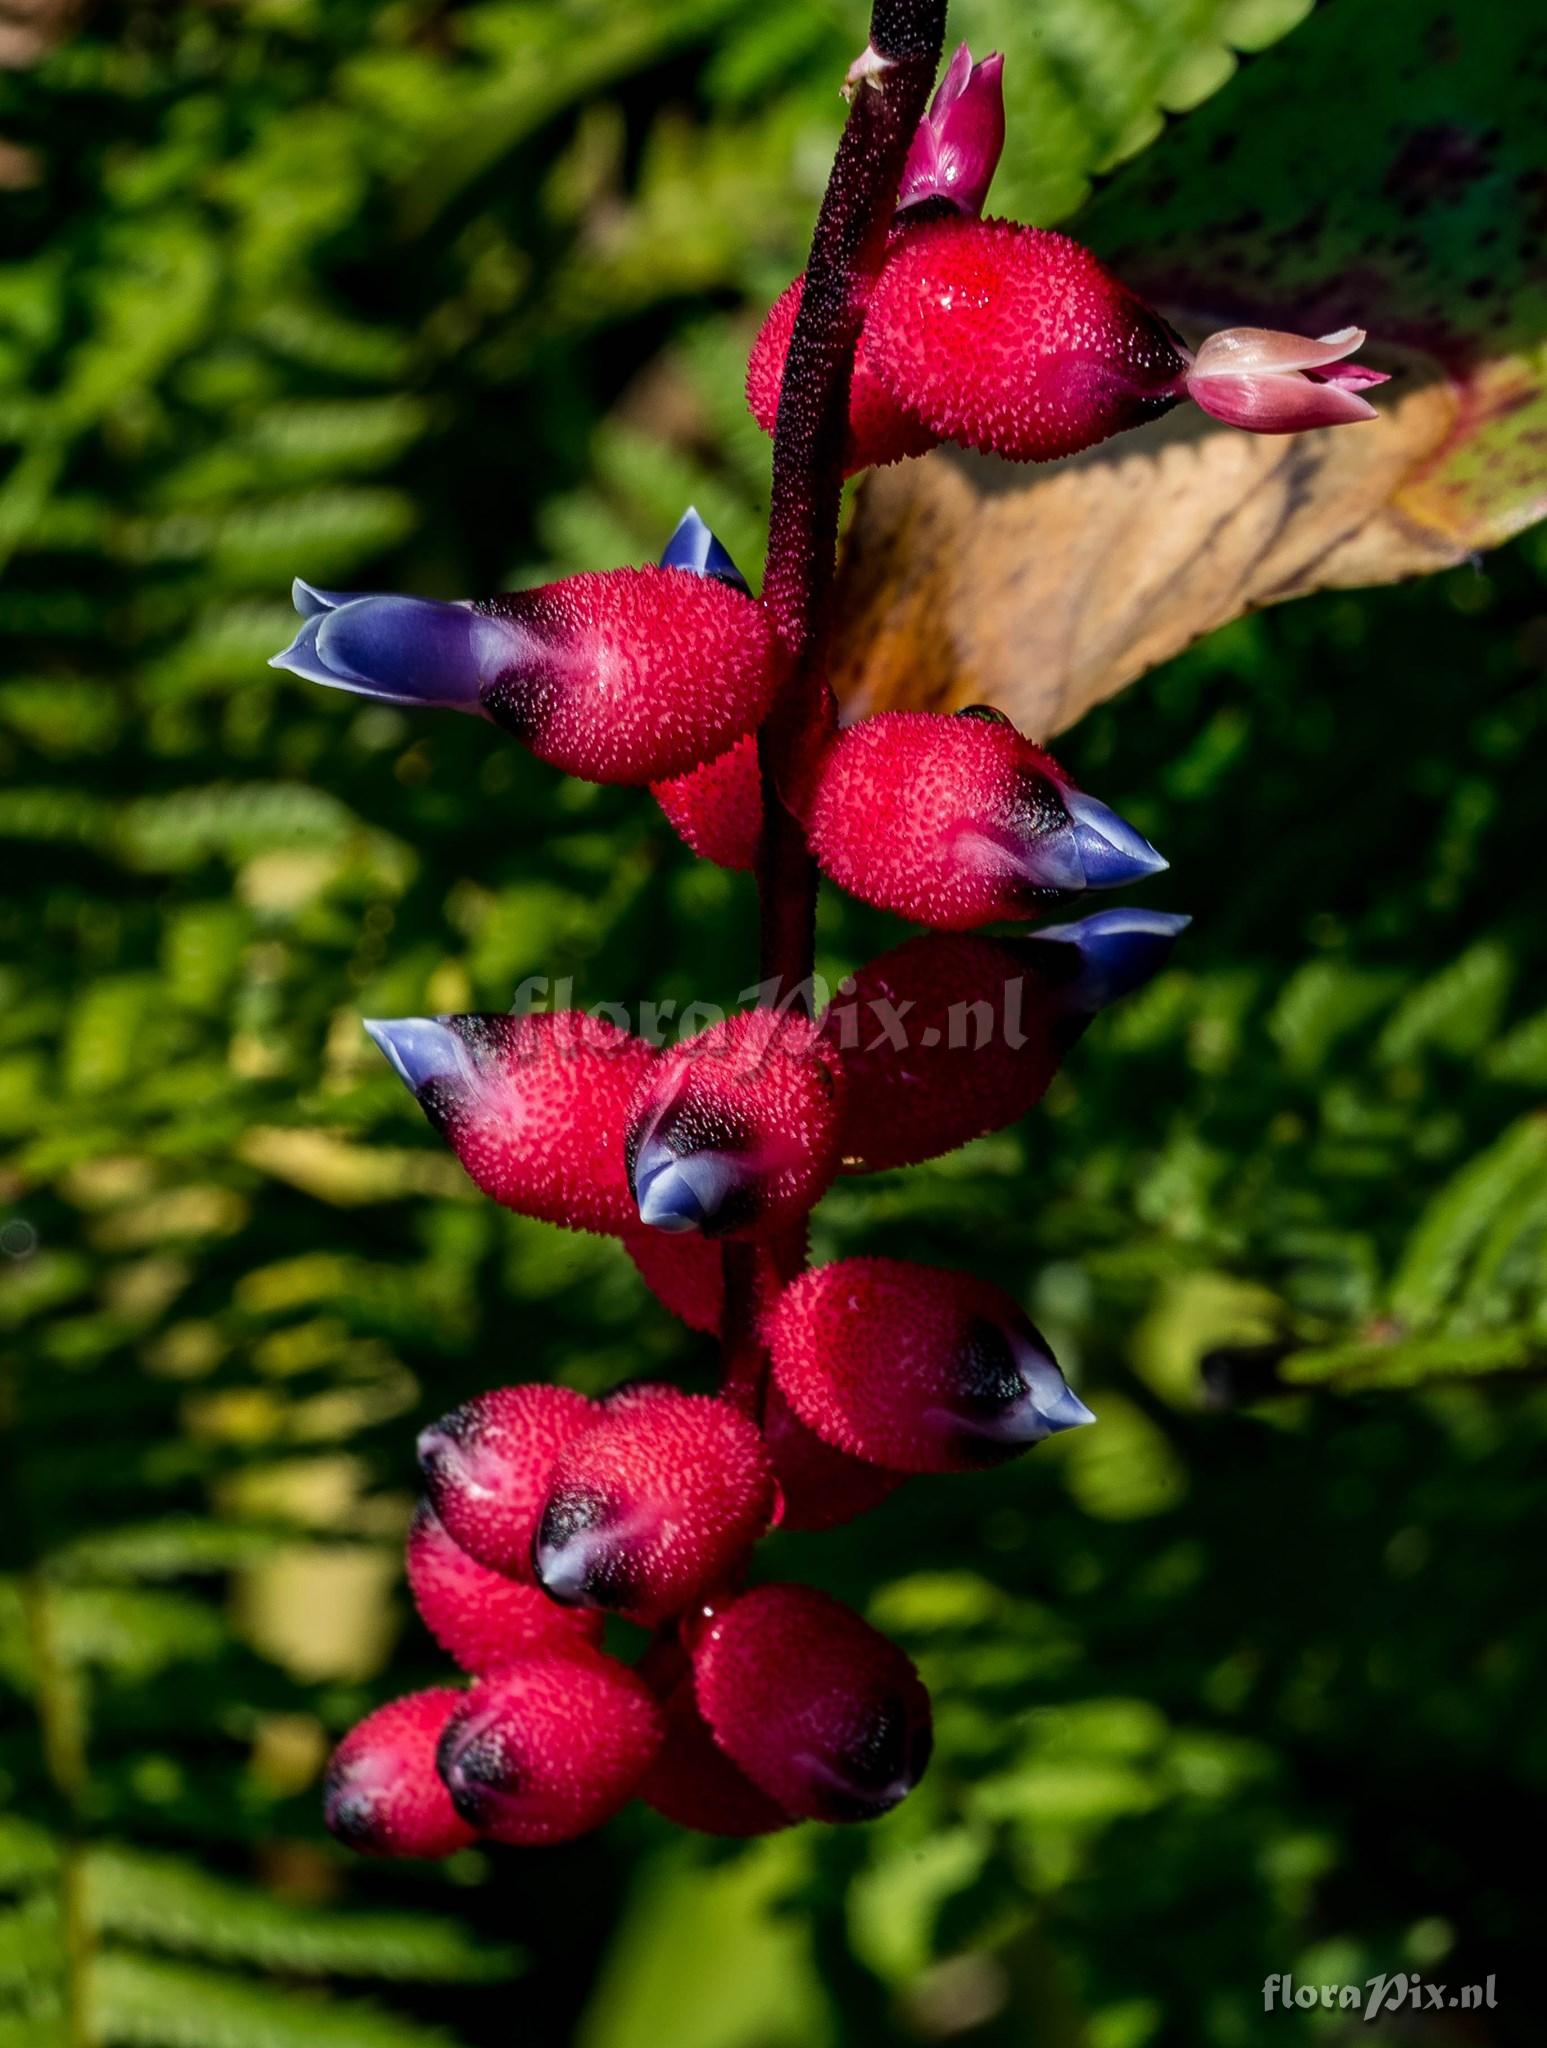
<point>982,1035</point>
<point>634,674</point>
<point>658,1501</point>
<point>551,1747</point>
<point>718,809</point>
<point>486,1468</point>
<point>880,430</point>
<point>881,1357</point>
<point>537,1118</point>
<point>692,1781</point>
<point>480,1618</point>
<point>1015,340</point>
<point>685,1274</point>
<point>821,1487</point>
<point>762,1088</point>
<point>927,815</point>
<point>381,1794</point>
<point>816,1706</point>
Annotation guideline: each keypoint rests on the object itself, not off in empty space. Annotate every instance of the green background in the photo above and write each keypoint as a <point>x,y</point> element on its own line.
<point>1246,1679</point>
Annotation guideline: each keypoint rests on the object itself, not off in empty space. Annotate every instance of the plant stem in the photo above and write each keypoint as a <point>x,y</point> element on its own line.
<point>847,250</point>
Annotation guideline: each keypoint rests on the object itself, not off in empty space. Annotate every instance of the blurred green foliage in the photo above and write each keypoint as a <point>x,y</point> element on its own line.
<point>1246,1679</point>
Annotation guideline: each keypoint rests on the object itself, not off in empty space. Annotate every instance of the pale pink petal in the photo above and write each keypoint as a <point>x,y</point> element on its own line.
<point>1237,349</point>
<point>1273,383</point>
<point>1285,404</point>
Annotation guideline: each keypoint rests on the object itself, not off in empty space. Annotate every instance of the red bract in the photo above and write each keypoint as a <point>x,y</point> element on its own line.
<point>919,1370</point>
<point>627,675</point>
<point>486,1467</point>
<point>819,1487</point>
<point>717,810</point>
<point>692,1781</point>
<point>685,1273</point>
<point>880,430</point>
<point>735,1132</point>
<point>1019,342</point>
<point>812,1703</point>
<point>1016,340</point>
<point>381,1794</point>
<point>956,822</point>
<point>653,1505</point>
<point>641,673</point>
<point>950,1036</point>
<point>533,1106</point>
<point>550,1748</point>
<point>481,1619</point>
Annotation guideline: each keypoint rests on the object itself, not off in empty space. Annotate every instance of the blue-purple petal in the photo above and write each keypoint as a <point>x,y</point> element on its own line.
<point>695,547</point>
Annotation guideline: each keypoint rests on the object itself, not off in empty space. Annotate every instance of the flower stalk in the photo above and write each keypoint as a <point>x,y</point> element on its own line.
<point>888,94</point>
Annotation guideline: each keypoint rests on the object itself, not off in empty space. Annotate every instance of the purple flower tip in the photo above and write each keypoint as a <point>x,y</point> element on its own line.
<point>1110,953</point>
<point>695,547</point>
<point>409,650</point>
<point>957,148</point>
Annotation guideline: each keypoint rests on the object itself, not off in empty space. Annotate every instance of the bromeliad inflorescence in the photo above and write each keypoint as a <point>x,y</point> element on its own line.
<point>916,322</point>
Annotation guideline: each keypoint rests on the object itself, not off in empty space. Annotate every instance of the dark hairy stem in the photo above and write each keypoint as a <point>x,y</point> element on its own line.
<point>847,249</point>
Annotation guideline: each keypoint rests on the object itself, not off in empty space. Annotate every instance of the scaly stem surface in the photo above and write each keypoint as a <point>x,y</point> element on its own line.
<point>847,249</point>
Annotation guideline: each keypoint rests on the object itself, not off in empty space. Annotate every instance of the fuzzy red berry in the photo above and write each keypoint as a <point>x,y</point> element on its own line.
<point>950,1035</point>
<point>692,1781</point>
<point>482,1619</point>
<point>717,809</point>
<point>685,1273</point>
<point>486,1468</point>
<point>734,1133</point>
<point>880,430</point>
<point>653,1505</point>
<point>819,1487</point>
<point>816,1706</point>
<point>549,1748</point>
<point>958,821</point>
<point>1016,340</point>
<point>532,1106</point>
<point>381,1793</point>
<point>626,675</point>
<point>920,1370</point>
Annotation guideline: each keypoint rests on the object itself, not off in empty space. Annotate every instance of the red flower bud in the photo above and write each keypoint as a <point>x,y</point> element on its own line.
<point>1015,340</point>
<point>627,676</point>
<point>654,1505</point>
<point>955,822</point>
<point>486,1467</point>
<point>551,1747</point>
<point>685,1273</point>
<point>816,1706</point>
<point>820,1487</point>
<point>533,1106</point>
<point>920,1370</point>
<point>480,1618</point>
<point>717,809</point>
<point>735,1132</point>
<point>692,1781</point>
<point>950,1036</point>
<point>957,148</point>
<point>381,1794</point>
<point>1019,342</point>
